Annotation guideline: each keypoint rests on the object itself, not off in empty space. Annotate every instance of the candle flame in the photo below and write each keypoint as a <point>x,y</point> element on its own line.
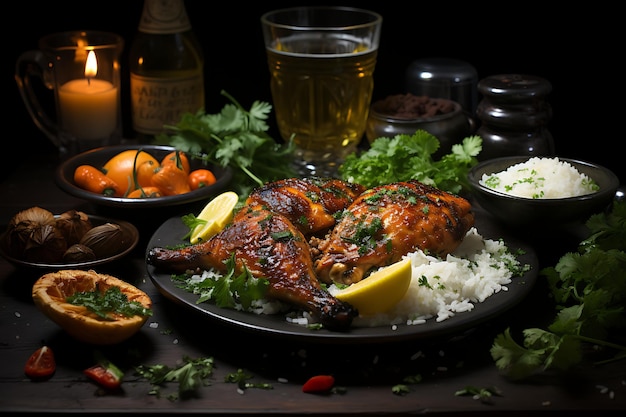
<point>91,66</point>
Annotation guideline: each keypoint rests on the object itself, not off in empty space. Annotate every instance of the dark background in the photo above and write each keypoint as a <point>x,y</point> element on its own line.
<point>575,49</point>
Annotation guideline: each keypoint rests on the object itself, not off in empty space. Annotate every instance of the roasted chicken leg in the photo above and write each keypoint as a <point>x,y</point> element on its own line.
<point>386,222</point>
<point>271,247</point>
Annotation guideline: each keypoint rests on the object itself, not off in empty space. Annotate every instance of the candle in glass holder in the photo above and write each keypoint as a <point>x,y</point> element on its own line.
<point>88,106</point>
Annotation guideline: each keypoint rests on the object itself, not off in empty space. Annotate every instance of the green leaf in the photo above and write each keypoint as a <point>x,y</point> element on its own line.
<point>226,290</point>
<point>113,300</point>
<point>406,157</point>
<point>234,138</point>
<point>190,375</point>
<point>400,389</point>
<point>514,360</point>
<point>589,289</point>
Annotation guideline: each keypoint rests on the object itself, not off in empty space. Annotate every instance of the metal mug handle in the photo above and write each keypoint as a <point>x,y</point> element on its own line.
<point>33,65</point>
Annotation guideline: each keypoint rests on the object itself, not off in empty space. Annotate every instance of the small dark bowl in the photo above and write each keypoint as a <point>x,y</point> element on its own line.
<point>64,178</point>
<point>124,249</point>
<point>535,214</point>
<point>449,128</point>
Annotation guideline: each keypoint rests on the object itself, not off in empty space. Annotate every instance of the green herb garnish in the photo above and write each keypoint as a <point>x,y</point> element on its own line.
<point>241,379</point>
<point>589,289</point>
<point>405,157</point>
<point>234,138</point>
<point>482,394</point>
<point>191,375</point>
<point>112,301</point>
<point>227,290</point>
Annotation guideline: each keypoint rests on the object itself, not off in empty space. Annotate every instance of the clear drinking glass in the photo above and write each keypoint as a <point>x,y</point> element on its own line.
<point>321,61</point>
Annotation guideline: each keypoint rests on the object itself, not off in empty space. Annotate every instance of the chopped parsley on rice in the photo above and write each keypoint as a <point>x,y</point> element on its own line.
<point>541,178</point>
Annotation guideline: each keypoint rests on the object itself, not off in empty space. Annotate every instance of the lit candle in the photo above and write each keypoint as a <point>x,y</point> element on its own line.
<point>88,106</point>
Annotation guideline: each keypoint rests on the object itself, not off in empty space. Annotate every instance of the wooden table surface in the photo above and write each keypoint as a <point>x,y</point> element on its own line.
<point>367,371</point>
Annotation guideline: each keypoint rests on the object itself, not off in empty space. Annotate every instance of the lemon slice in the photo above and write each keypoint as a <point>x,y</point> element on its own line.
<point>217,213</point>
<point>380,291</point>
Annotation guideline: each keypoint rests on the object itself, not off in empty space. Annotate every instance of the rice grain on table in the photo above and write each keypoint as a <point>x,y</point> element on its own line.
<point>541,178</point>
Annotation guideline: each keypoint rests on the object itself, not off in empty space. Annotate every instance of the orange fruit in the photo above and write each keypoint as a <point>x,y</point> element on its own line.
<point>120,167</point>
<point>51,291</point>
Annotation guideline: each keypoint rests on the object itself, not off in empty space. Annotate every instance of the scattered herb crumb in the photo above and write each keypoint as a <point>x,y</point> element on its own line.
<point>241,379</point>
<point>484,395</point>
<point>400,389</point>
<point>403,388</point>
<point>190,375</point>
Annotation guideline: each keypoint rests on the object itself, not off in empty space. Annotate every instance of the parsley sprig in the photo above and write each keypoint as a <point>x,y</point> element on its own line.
<point>227,290</point>
<point>234,138</point>
<point>405,157</point>
<point>589,288</point>
<point>111,301</point>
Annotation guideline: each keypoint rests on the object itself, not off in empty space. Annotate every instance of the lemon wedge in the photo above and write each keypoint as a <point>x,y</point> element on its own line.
<point>217,213</point>
<point>380,291</point>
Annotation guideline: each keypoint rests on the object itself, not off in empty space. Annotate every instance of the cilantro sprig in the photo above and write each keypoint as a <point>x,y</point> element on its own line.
<point>227,290</point>
<point>234,138</point>
<point>589,289</point>
<point>405,157</point>
<point>111,301</point>
<point>190,376</point>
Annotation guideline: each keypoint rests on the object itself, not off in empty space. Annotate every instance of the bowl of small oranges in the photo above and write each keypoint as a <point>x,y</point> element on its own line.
<point>135,177</point>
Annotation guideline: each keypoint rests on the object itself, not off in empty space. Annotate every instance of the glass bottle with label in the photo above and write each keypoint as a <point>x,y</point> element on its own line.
<point>166,68</point>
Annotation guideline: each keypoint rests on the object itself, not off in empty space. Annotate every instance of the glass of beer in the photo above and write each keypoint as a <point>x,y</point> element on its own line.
<point>321,62</point>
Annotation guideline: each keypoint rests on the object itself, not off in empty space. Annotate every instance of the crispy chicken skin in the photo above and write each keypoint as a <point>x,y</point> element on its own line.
<point>386,222</point>
<point>270,247</point>
<point>309,203</point>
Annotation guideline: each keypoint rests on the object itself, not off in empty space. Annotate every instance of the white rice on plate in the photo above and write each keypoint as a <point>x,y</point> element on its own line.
<point>541,178</point>
<point>441,288</point>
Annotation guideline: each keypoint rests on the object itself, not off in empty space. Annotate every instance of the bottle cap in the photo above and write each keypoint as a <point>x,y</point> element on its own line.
<point>164,17</point>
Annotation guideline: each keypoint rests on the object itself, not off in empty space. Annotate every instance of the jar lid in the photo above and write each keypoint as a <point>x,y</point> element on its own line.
<point>454,71</point>
<point>521,86</point>
<point>442,77</point>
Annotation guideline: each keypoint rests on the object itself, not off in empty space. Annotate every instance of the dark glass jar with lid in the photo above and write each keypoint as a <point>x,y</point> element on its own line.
<point>442,77</point>
<point>513,115</point>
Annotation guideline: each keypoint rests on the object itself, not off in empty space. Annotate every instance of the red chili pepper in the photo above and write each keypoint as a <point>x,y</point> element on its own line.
<point>41,364</point>
<point>106,374</point>
<point>319,383</point>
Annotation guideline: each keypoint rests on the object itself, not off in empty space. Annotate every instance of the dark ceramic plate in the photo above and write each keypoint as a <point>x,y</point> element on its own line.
<point>124,249</point>
<point>171,232</point>
<point>64,178</point>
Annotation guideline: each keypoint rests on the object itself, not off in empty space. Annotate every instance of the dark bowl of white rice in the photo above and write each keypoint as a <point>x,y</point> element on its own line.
<point>530,192</point>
